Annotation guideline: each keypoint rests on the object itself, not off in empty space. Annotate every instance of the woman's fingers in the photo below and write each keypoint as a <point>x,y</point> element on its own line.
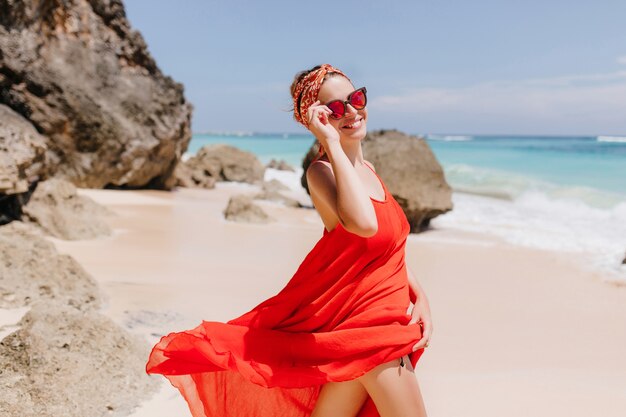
<point>426,333</point>
<point>320,113</point>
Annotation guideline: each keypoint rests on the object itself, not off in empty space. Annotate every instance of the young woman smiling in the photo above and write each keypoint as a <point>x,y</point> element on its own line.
<point>341,187</point>
<point>338,339</point>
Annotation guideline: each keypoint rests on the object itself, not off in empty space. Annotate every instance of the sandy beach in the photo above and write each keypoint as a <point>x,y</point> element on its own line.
<point>518,331</point>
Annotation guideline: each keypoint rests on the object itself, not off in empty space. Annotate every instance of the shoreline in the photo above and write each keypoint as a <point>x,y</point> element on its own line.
<point>173,261</point>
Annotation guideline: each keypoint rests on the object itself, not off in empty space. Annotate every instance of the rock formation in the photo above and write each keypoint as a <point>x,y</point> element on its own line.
<point>64,362</point>
<point>277,197</point>
<point>66,359</point>
<point>85,80</point>
<point>56,207</point>
<point>410,171</point>
<point>22,162</point>
<point>220,162</point>
<point>241,208</point>
<point>31,270</point>
<point>274,185</point>
<point>281,165</point>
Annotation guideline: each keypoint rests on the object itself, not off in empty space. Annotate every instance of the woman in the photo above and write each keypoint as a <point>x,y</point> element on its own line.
<point>337,339</point>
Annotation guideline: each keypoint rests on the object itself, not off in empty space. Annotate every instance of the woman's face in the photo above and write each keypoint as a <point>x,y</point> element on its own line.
<point>353,124</point>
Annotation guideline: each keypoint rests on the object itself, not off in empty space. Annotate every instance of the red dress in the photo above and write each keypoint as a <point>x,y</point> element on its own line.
<point>343,312</point>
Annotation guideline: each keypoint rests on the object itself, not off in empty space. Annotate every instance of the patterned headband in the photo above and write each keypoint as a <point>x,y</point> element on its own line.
<point>308,88</point>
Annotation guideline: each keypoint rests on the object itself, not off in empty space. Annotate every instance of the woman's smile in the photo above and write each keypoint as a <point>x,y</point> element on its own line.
<point>354,124</point>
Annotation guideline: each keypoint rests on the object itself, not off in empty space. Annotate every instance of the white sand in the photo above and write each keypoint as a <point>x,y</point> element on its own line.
<point>518,332</point>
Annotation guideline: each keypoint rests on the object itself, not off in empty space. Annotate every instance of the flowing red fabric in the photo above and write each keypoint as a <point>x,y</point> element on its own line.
<point>343,312</point>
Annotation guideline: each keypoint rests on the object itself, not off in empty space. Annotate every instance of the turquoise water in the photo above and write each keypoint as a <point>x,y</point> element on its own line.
<point>555,193</point>
<point>588,168</point>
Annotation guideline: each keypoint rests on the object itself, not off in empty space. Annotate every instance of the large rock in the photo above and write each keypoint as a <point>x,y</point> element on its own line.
<point>56,207</point>
<point>85,80</point>
<point>410,171</point>
<point>220,162</point>
<point>64,362</point>
<point>280,165</point>
<point>22,162</point>
<point>241,208</point>
<point>22,153</point>
<point>65,359</point>
<point>31,270</point>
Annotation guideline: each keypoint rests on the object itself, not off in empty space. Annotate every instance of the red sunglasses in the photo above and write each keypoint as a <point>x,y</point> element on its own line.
<point>357,99</point>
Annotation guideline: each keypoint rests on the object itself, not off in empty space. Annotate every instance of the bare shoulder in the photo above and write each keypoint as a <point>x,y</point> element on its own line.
<point>323,192</point>
<point>319,176</point>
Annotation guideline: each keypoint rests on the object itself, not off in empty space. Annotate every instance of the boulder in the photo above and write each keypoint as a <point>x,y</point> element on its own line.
<point>281,165</point>
<point>71,363</point>
<point>22,153</point>
<point>86,81</point>
<point>56,207</point>
<point>277,197</point>
<point>220,162</point>
<point>22,162</point>
<point>274,185</point>
<point>31,270</point>
<point>241,208</point>
<point>193,175</point>
<point>410,171</point>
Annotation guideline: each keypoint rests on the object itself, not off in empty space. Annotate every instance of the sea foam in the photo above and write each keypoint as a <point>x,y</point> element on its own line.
<point>534,219</point>
<point>614,139</point>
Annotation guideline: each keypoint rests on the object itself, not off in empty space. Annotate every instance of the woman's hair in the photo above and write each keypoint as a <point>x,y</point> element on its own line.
<point>297,100</point>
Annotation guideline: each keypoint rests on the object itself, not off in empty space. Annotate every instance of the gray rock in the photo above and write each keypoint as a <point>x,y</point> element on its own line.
<point>31,269</point>
<point>22,153</point>
<point>220,162</point>
<point>191,174</point>
<point>61,212</point>
<point>274,185</point>
<point>278,197</point>
<point>282,165</point>
<point>241,208</point>
<point>66,362</point>
<point>410,171</point>
<point>78,72</point>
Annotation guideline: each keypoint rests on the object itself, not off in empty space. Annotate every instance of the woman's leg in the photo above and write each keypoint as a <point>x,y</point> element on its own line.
<point>394,390</point>
<point>340,399</point>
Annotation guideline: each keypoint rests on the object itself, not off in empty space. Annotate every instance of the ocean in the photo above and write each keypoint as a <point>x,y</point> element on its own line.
<point>562,193</point>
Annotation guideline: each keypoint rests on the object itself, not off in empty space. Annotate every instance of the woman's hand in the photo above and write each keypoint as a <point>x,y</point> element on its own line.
<point>320,126</point>
<point>421,314</point>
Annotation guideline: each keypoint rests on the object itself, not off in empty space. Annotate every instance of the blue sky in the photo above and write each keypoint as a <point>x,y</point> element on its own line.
<point>532,67</point>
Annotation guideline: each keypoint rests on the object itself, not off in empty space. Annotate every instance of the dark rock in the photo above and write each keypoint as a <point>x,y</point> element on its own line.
<point>241,208</point>
<point>410,171</point>
<point>282,165</point>
<point>78,72</point>
<point>11,206</point>
<point>61,212</point>
<point>220,162</point>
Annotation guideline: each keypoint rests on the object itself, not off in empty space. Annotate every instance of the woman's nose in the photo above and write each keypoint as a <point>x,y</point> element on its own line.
<point>350,109</point>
